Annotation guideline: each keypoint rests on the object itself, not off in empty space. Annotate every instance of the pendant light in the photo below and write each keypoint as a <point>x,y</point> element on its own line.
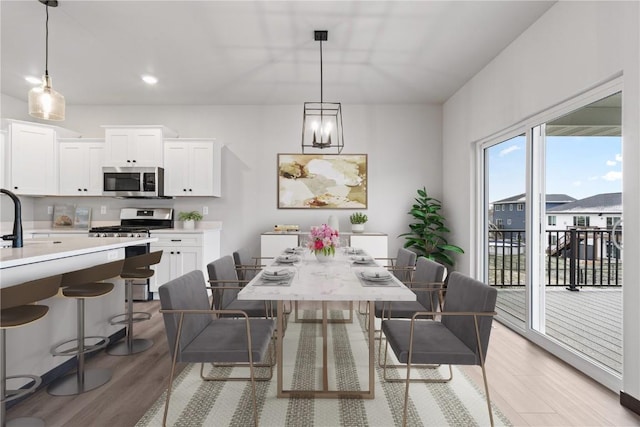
<point>44,102</point>
<point>322,121</point>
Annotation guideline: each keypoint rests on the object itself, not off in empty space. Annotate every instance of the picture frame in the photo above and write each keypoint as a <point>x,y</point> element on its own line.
<point>63,216</point>
<point>82,218</point>
<point>322,181</point>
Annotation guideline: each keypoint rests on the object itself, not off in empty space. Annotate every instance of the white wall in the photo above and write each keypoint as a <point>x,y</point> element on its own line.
<point>402,143</point>
<point>572,47</point>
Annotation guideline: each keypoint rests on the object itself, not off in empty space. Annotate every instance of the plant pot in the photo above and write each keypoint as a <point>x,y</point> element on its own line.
<point>324,258</point>
<point>188,224</point>
<point>357,228</point>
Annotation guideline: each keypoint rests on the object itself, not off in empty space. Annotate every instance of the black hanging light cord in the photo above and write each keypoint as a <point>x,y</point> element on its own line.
<point>46,43</point>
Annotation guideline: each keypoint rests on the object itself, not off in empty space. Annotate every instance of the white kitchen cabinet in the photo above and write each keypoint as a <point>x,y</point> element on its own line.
<point>80,164</point>
<point>32,157</point>
<point>135,145</point>
<point>182,253</point>
<point>192,167</point>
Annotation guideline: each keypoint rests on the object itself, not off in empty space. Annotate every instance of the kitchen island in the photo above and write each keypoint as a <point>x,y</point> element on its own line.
<point>28,347</point>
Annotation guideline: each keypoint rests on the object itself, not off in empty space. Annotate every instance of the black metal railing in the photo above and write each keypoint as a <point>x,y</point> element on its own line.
<point>574,257</point>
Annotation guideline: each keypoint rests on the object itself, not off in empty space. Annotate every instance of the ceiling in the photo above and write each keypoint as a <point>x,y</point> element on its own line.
<point>245,52</point>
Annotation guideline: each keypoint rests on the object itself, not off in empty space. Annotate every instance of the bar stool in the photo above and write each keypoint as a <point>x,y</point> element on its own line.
<point>136,267</point>
<point>16,310</point>
<point>83,284</point>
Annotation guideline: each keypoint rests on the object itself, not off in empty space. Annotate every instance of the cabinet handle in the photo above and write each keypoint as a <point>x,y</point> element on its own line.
<point>85,189</point>
<point>128,161</point>
<point>178,252</point>
<point>184,189</point>
<point>171,252</point>
<point>79,189</point>
<point>190,189</point>
<point>134,161</point>
<point>176,240</point>
<point>15,188</point>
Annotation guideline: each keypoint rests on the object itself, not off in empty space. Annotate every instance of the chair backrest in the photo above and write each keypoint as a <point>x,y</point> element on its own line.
<point>405,260</point>
<point>187,292</point>
<point>97,273</point>
<point>242,258</point>
<point>467,294</point>
<point>140,261</point>
<point>223,269</point>
<point>428,272</point>
<point>29,292</point>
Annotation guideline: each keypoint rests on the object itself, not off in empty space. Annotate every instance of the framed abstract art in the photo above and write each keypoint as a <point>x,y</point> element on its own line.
<point>322,181</point>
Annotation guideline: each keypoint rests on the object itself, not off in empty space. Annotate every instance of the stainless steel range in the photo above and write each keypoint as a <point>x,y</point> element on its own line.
<point>137,222</point>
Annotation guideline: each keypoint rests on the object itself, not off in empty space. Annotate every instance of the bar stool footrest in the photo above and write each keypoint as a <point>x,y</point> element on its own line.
<point>104,342</point>
<point>138,316</point>
<point>15,394</point>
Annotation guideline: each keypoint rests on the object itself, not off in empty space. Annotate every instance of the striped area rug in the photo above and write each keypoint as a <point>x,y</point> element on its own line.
<point>200,403</point>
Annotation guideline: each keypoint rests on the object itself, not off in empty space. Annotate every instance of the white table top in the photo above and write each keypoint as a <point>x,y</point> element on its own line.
<point>331,281</point>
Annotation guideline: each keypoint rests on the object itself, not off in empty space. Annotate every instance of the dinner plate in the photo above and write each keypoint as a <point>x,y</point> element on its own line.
<point>294,250</point>
<point>288,259</point>
<point>375,276</point>
<point>361,259</point>
<point>276,275</point>
<point>353,250</point>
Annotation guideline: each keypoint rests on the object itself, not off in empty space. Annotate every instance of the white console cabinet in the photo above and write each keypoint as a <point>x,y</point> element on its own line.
<point>192,167</point>
<point>135,145</point>
<point>273,243</point>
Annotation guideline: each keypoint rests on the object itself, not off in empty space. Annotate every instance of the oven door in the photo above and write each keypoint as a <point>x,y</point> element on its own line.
<point>140,286</point>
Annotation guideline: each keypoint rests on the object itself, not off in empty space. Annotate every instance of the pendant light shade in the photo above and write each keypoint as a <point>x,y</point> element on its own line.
<point>45,102</point>
<point>322,121</point>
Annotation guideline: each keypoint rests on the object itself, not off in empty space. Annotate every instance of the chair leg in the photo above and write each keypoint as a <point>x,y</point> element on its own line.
<point>173,370</point>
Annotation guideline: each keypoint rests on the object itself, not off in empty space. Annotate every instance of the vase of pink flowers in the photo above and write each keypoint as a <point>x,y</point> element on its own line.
<point>323,241</point>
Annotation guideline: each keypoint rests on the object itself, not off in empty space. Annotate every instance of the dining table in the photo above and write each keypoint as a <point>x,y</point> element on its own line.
<point>350,275</point>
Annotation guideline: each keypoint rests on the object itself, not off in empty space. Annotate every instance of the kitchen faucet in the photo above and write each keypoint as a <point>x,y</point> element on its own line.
<point>17,220</point>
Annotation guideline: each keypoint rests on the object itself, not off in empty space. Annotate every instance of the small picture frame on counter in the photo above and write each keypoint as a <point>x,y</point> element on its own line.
<point>63,216</point>
<point>82,218</point>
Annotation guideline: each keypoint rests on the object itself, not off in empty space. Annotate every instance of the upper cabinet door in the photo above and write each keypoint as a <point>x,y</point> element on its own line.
<point>192,167</point>
<point>33,160</point>
<point>80,168</point>
<point>135,146</point>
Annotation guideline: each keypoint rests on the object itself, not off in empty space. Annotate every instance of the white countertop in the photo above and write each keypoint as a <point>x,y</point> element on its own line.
<point>39,250</point>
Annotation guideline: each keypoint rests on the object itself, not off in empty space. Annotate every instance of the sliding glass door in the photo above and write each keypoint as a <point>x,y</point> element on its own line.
<point>552,231</point>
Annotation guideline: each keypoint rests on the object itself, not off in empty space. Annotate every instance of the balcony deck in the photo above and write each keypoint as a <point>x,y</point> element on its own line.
<point>589,321</point>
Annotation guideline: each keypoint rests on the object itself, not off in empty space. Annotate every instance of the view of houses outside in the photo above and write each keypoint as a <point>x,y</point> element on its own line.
<point>581,226</point>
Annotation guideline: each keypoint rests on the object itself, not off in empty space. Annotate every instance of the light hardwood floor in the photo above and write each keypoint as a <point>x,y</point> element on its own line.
<point>530,386</point>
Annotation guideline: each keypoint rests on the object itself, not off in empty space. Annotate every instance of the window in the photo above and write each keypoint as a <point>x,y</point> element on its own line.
<point>499,223</point>
<point>520,207</point>
<point>581,221</point>
<point>511,206</point>
<point>551,220</point>
<point>509,221</point>
<point>611,220</point>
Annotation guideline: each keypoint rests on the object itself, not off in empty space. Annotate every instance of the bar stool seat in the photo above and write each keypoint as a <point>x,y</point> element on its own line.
<point>16,310</point>
<point>83,284</point>
<point>135,268</point>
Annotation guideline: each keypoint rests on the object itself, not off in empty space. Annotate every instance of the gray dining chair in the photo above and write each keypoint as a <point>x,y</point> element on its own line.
<point>402,266</point>
<point>247,267</point>
<point>226,285</point>
<point>198,334</point>
<point>459,337</point>
<point>427,284</point>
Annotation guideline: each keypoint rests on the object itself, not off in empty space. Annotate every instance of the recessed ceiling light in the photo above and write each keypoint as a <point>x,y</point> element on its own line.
<point>150,80</point>
<point>34,80</point>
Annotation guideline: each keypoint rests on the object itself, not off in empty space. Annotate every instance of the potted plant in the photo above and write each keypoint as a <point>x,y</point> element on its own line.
<point>189,219</point>
<point>358,219</point>
<point>427,235</point>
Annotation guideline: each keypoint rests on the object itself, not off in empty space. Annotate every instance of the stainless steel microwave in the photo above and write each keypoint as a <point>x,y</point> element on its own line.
<point>132,182</point>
